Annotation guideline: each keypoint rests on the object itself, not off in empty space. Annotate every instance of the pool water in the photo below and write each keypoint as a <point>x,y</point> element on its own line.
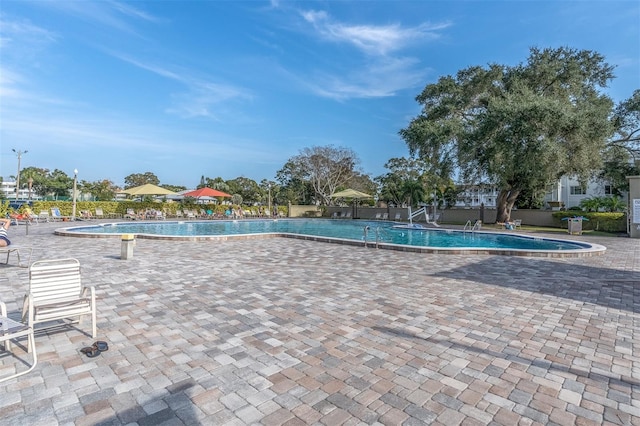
<point>376,231</point>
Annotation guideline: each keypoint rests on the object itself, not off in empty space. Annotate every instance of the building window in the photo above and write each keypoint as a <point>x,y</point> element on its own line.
<point>577,190</point>
<point>608,190</point>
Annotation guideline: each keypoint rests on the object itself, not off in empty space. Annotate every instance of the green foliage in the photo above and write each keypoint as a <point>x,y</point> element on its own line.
<point>591,204</point>
<point>174,188</point>
<point>522,127</point>
<point>617,165</point>
<point>598,221</point>
<point>627,125</point>
<point>614,204</point>
<point>138,179</point>
<point>610,204</point>
<point>103,190</point>
<point>4,208</point>
<point>246,188</point>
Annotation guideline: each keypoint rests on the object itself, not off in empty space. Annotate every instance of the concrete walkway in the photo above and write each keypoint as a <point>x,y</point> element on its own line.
<point>291,332</point>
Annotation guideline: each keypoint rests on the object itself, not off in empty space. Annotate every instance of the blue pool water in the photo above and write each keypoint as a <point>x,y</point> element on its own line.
<point>382,232</point>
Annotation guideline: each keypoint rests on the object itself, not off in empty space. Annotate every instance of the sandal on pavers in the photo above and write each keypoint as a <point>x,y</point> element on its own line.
<point>90,351</point>
<point>101,346</point>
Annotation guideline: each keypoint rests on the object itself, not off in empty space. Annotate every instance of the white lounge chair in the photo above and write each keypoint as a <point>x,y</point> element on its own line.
<point>15,249</point>
<point>56,293</point>
<point>57,216</point>
<point>43,216</point>
<point>131,214</point>
<point>10,329</point>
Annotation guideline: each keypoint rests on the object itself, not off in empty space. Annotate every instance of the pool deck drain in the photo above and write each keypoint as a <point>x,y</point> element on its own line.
<point>289,332</point>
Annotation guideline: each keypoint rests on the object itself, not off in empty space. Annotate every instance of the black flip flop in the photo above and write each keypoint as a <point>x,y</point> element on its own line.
<point>90,351</point>
<point>101,346</point>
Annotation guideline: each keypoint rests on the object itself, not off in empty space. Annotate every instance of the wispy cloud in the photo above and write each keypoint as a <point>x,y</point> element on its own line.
<point>381,79</point>
<point>202,97</point>
<point>22,44</point>
<point>382,71</point>
<point>24,32</point>
<point>111,14</point>
<point>372,39</point>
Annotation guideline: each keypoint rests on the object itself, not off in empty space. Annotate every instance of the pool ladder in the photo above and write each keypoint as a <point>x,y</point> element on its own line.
<point>366,234</point>
<point>473,226</point>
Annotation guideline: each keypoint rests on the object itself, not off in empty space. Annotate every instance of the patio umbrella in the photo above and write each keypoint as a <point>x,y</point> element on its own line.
<point>206,192</point>
<point>351,193</point>
<point>148,189</point>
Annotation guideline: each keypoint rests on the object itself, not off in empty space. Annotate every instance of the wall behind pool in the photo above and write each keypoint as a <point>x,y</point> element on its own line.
<point>528,216</point>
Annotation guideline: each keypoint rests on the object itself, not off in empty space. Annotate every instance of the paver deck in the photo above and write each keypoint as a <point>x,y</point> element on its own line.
<point>292,332</point>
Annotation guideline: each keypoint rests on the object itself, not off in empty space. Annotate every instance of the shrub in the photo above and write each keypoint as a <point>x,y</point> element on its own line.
<point>597,221</point>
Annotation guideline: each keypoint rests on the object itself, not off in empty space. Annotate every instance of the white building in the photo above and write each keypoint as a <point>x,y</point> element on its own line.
<point>476,195</point>
<point>567,192</point>
<point>8,190</point>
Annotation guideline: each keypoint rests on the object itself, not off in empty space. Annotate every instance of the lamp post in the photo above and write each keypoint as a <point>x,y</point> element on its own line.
<point>19,154</point>
<point>30,181</point>
<point>269,200</point>
<point>75,184</point>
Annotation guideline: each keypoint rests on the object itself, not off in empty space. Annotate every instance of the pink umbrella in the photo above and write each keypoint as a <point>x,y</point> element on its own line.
<point>206,192</point>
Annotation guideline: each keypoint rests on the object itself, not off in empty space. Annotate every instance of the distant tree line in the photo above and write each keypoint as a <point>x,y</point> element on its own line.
<point>519,128</point>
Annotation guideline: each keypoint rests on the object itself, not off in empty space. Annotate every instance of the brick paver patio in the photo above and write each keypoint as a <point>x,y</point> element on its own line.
<point>290,332</point>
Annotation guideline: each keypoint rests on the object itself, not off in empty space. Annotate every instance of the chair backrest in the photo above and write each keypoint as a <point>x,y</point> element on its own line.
<point>56,279</point>
<point>99,212</point>
<point>55,212</point>
<point>43,214</point>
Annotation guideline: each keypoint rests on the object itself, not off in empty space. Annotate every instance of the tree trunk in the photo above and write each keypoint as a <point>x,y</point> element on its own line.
<point>504,204</point>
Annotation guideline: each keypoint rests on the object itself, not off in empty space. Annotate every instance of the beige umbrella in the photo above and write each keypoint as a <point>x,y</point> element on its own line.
<point>351,193</point>
<point>148,189</point>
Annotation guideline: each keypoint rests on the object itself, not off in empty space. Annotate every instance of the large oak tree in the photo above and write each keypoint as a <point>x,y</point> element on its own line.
<point>521,127</point>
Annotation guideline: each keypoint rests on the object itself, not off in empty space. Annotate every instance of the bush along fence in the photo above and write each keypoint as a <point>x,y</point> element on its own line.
<point>120,208</point>
<point>596,221</point>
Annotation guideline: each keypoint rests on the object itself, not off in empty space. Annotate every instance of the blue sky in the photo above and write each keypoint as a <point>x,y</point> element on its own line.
<point>236,88</point>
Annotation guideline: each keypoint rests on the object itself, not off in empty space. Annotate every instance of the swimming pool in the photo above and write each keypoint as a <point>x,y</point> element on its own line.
<point>380,234</point>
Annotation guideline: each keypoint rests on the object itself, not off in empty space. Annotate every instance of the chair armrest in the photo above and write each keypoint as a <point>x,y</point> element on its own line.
<point>3,309</point>
<point>92,292</point>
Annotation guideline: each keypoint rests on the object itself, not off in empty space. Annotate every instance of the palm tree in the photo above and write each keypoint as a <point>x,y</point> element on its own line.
<point>591,204</point>
<point>614,204</point>
<point>413,192</point>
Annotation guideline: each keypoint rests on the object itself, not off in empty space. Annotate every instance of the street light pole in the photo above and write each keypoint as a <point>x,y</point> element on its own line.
<point>269,200</point>
<point>19,154</point>
<point>75,184</point>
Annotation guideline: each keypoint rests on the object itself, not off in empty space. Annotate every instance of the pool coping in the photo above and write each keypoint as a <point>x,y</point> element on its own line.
<point>590,249</point>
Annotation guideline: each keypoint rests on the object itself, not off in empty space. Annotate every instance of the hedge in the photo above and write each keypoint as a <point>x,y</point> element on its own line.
<point>596,221</point>
<point>120,207</point>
